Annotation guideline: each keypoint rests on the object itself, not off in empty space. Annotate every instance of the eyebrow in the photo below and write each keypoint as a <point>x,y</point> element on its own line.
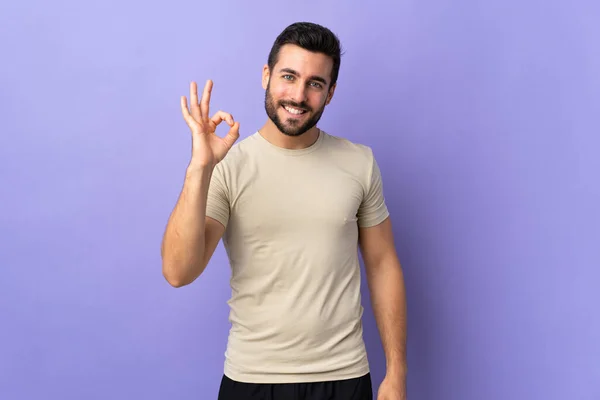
<point>312,78</point>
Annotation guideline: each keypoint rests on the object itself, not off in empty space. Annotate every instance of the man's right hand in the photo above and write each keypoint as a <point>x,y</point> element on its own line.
<point>208,149</point>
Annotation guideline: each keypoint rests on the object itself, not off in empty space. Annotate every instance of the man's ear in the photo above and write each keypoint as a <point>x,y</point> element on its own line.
<point>266,75</point>
<point>330,94</point>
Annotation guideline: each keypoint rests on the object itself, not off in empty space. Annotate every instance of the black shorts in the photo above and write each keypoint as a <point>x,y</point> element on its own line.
<point>347,389</point>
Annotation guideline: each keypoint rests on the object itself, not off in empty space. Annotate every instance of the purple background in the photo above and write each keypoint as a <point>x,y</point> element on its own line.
<point>484,116</point>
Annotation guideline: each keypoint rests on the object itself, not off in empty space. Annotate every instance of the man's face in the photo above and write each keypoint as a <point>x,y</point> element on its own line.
<point>297,89</point>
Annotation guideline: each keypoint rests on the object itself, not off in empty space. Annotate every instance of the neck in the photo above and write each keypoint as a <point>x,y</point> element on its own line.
<point>273,135</point>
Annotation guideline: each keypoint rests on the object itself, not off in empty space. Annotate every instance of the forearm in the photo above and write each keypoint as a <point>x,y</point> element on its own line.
<point>388,299</point>
<point>184,239</point>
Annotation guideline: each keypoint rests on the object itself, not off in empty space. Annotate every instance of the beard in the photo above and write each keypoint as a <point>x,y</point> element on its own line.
<point>290,127</point>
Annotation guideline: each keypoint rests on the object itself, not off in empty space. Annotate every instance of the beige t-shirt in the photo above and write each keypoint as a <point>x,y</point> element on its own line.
<point>292,219</point>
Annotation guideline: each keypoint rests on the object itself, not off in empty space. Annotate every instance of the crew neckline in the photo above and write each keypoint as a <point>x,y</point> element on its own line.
<point>291,152</point>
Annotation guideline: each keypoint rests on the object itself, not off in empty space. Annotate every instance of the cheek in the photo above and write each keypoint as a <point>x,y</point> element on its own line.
<point>282,93</point>
<point>278,92</point>
<point>317,100</point>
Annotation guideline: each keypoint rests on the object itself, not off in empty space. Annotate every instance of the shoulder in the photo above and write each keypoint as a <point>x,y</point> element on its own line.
<point>242,148</point>
<point>349,150</point>
<point>239,152</point>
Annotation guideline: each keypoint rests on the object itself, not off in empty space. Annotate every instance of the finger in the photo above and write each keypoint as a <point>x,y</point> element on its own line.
<point>221,116</point>
<point>194,105</point>
<point>232,135</point>
<point>184,109</point>
<point>186,113</point>
<point>205,102</point>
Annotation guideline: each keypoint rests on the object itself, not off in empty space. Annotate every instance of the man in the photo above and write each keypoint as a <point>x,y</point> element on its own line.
<point>292,205</point>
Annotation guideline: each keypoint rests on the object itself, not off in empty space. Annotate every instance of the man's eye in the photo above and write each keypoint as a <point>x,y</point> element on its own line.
<point>316,84</point>
<point>288,77</point>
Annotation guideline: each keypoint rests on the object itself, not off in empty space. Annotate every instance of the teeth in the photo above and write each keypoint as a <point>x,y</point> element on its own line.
<point>294,110</point>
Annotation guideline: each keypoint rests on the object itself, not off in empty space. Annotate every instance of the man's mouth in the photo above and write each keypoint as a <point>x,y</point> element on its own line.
<point>294,110</point>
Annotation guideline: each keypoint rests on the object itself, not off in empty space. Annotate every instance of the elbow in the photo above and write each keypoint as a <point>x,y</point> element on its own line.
<point>176,283</point>
<point>179,272</point>
<point>179,275</point>
<point>174,278</point>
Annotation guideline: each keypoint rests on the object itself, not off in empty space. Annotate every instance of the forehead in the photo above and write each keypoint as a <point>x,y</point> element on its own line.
<point>306,63</point>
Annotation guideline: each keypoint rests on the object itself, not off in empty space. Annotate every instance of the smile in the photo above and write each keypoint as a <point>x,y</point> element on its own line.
<point>294,111</point>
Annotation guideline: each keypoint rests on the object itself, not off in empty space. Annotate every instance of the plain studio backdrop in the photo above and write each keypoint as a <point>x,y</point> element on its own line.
<point>484,116</point>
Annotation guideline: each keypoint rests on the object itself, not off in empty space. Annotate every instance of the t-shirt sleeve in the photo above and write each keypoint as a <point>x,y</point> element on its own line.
<point>373,209</point>
<point>217,205</point>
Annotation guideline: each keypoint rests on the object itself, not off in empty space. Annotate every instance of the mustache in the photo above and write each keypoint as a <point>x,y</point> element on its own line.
<point>301,106</point>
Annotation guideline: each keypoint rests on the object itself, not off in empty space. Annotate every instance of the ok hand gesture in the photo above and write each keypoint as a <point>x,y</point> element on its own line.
<point>208,149</point>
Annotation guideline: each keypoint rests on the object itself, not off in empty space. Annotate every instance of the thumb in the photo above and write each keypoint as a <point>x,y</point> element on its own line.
<point>232,135</point>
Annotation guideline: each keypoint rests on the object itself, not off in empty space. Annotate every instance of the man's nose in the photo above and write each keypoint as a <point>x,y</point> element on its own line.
<point>299,93</point>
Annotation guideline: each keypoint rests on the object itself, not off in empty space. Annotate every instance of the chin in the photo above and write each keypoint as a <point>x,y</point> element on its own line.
<point>295,128</point>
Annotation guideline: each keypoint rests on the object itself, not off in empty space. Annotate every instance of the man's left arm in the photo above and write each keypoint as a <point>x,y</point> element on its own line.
<point>386,286</point>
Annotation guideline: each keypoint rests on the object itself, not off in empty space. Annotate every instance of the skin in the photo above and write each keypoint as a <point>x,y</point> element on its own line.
<point>386,286</point>
<point>190,237</point>
<point>301,79</point>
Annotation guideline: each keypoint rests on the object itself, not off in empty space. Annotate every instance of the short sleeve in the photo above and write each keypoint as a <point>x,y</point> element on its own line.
<point>373,209</point>
<point>217,205</point>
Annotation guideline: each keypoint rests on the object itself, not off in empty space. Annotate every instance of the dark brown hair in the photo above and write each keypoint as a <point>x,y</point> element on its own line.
<point>312,37</point>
